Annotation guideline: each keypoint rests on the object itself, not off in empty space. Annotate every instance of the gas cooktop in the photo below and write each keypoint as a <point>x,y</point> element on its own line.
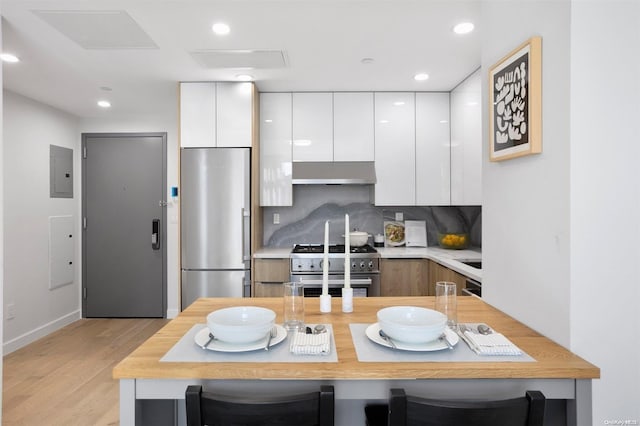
<point>333,248</point>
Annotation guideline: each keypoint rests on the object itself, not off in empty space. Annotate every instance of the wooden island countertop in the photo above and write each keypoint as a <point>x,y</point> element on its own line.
<point>552,360</point>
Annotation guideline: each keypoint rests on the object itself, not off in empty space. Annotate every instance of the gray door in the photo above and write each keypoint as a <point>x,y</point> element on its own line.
<point>124,237</point>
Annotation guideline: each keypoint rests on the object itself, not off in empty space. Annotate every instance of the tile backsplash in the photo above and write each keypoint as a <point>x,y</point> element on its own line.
<point>314,204</point>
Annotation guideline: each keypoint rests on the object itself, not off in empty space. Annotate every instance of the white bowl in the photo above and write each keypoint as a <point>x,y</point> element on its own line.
<point>412,324</point>
<point>241,324</point>
<point>358,238</point>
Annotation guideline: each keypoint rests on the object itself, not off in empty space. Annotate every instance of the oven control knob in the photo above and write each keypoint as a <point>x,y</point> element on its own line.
<point>322,264</point>
<point>371,264</point>
<point>311,265</point>
<point>354,265</point>
<point>362,265</point>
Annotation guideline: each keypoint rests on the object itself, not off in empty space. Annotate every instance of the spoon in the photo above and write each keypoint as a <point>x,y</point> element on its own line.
<point>320,328</point>
<point>484,329</point>
<point>387,339</point>
<point>211,337</point>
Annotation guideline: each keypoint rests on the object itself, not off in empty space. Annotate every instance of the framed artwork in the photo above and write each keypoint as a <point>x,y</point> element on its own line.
<point>515,103</point>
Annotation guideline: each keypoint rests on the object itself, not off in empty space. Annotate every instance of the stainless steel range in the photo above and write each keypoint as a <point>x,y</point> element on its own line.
<point>306,266</point>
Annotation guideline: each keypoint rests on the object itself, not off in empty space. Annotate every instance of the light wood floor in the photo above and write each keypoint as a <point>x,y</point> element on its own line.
<point>65,378</point>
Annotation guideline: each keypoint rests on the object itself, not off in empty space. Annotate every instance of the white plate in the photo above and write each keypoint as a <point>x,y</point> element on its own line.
<point>388,241</point>
<point>219,346</point>
<point>435,345</point>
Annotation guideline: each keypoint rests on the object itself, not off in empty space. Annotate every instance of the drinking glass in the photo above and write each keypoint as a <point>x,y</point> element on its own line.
<point>294,306</point>
<point>446,302</point>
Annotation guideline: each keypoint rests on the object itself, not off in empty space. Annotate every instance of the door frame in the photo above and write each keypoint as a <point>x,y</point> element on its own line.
<point>163,227</point>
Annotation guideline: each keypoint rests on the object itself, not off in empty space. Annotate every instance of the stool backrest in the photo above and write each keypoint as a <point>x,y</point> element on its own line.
<point>309,409</point>
<point>414,411</point>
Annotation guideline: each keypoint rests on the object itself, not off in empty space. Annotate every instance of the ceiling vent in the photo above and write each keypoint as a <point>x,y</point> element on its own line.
<point>98,29</point>
<point>256,59</point>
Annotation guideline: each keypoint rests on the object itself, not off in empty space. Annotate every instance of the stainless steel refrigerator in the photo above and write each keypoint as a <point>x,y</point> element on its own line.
<point>215,213</point>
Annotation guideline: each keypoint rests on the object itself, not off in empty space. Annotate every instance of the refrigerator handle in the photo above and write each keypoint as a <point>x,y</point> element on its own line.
<point>155,234</point>
<point>246,285</point>
<point>246,241</point>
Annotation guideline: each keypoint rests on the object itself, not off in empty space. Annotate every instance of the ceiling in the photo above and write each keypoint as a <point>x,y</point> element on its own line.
<point>133,52</point>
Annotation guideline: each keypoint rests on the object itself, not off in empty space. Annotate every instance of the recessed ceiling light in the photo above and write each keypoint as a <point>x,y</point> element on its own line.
<point>8,57</point>
<point>220,28</point>
<point>244,77</point>
<point>463,28</point>
<point>104,104</point>
<point>398,103</point>
<point>384,121</point>
<point>367,61</point>
<point>268,120</point>
<point>106,88</point>
<point>421,76</point>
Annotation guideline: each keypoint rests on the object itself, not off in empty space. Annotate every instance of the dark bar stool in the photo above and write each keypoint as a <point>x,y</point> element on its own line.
<point>406,410</point>
<point>309,409</point>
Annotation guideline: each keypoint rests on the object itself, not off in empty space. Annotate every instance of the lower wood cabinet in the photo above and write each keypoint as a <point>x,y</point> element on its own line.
<point>404,277</point>
<point>438,272</point>
<point>268,276</point>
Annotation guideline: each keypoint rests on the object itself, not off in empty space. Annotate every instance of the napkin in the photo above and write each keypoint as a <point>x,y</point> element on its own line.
<point>491,344</point>
<point>310,344</point>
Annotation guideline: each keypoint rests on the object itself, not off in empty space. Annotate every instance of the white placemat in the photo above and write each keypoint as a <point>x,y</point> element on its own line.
<point>186,350</point>
<point>368,351</point>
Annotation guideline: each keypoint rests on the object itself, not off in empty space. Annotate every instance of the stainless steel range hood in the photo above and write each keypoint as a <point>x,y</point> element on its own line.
<point>336,173</point>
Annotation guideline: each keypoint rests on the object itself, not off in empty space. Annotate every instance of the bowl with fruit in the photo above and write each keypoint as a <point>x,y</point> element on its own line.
<point>455,241</point>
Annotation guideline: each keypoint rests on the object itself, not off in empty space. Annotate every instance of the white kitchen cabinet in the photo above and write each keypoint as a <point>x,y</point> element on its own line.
<point>215,114</point>
<point>353,128</point>
<point>275,149</point>
<point>466,142</point>
<point>234,114</point>
<point>312,127</point>
<point>198,114</point>
<point>395,149</point>
<point>432,149</point>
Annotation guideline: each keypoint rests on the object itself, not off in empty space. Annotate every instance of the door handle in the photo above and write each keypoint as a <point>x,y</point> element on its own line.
<point>155,234</point>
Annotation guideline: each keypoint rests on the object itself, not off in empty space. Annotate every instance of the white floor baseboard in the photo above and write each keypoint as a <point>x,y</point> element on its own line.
<point>39,332</point>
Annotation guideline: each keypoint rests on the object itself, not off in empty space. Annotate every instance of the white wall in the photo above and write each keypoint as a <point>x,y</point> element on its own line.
<point>29,128</point>
<point>605,201</point>
<point>561,229</point>
<point>168,122</point>
<point>525,233</point>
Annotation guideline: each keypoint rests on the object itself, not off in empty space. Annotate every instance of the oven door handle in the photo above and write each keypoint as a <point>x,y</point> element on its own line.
<point>356,281</point>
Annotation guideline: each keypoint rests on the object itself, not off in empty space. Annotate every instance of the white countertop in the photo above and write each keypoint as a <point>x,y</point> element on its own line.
<point>273,253</point>
<point>449,258</point>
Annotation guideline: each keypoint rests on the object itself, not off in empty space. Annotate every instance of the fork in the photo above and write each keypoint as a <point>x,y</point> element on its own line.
<point>443,337</point>
<point>272,334</point>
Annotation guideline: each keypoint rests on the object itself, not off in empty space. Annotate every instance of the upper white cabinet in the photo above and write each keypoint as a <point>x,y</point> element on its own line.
<point>353,127</point>
<point>432,149</point>
<point>395,149</point>
<point>275,150</point>
<point>215,114</point>
<point>312,127</point>
<point>234,114</point>
<point>466,142</point>
<point>198,114</point>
